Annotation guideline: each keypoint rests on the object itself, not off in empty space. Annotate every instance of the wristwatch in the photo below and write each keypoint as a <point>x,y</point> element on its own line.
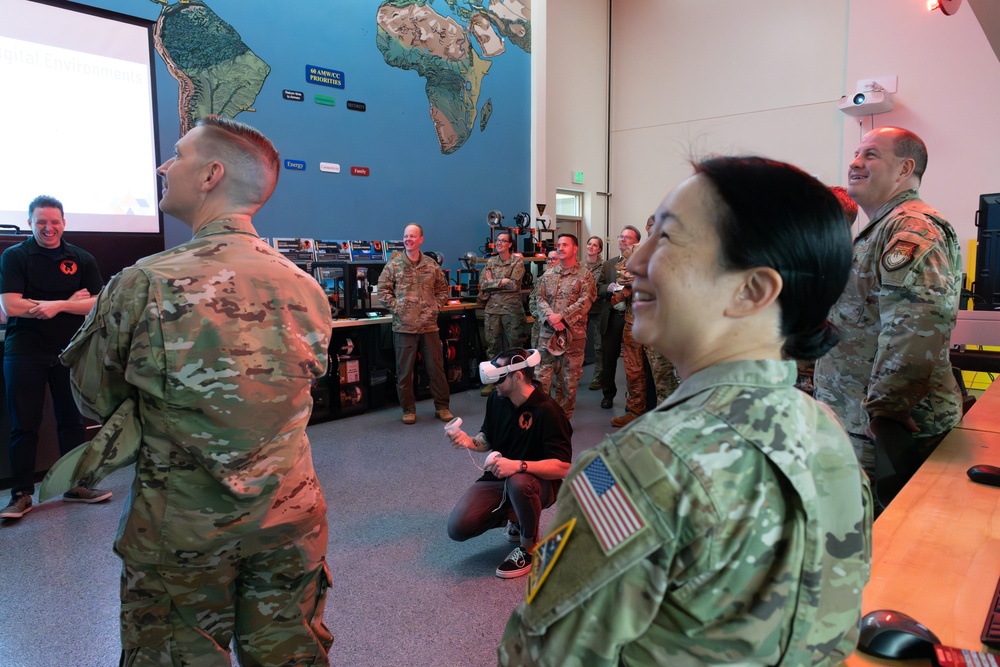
<point>524,466</point>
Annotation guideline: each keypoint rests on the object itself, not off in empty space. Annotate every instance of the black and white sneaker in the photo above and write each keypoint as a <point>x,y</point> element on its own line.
<point>517,564</point>
<point>512,532</point>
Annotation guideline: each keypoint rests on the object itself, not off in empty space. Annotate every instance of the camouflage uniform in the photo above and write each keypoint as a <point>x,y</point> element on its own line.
<point>749,544</point>
<point>415,292</point>
<point>536,325</point>
<point>664,376</point>
<point>635,376</point>
<point>569,292</point>
<point>594,321</point>
<point>218,342</point>
<point>504,315</point>
<point>895,319</point>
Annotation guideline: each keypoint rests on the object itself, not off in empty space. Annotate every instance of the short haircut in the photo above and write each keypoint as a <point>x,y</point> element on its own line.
<point>906,144</point>
<point>849,205</point>
<point>510,237</point>
<point>45,201</point>
<point>575,240</point>
<point>638,234</point>
<point>771,214</point>
<point>599,240</point>
<point>250,156</point>
<point>413,224</point>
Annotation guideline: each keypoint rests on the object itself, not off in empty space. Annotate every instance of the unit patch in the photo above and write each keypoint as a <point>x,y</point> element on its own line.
<point>545,555</point>
<point>898,255</point>
<point>610,511</point>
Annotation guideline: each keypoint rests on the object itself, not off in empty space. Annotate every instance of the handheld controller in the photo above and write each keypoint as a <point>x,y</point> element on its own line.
<point>451,428</point>
<point>494,455</point>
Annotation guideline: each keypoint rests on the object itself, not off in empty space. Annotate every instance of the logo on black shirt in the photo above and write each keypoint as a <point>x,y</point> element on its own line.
<point>524,421</point>
<point>68,267</point>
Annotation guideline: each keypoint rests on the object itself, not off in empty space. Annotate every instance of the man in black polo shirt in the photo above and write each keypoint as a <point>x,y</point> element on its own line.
<point>47,286</point>
<point>531,434</point>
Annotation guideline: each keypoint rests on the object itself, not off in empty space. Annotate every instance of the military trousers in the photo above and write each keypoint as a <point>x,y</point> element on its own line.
<point>635,376</point>
<point>560,375</point>
<point>662,372</point>
<point>429,344</point>
<point>594,335</point>
<point>269,605</point>
<point>503,331</point>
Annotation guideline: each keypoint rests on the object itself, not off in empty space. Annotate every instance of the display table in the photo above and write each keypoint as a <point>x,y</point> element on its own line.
<point>936,549</point>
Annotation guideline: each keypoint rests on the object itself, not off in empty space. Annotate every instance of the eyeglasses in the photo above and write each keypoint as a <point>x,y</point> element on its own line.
<point>628,237</point>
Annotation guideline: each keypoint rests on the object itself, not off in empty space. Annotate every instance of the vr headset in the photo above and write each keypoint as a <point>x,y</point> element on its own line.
<point>491,373</point>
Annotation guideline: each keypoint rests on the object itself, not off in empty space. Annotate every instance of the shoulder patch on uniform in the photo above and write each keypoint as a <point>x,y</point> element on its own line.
<point>545,555</point>
<point>608,509</point>
<point>898,255</point>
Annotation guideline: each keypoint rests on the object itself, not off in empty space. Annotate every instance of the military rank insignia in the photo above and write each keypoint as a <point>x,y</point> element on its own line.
<point>610,511</point>
<point>898,255</point>
<point>545,555</point>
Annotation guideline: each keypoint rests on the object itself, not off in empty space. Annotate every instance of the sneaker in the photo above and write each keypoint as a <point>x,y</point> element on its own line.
<point>487,389</point>
<point>444,415</point>
<point>512,532</point>
<point>626,418</point>
<point>18,507</point>
<point>595,385</point>
<point>409,418</point>
<point>517,564</point>
<point>83,494</point>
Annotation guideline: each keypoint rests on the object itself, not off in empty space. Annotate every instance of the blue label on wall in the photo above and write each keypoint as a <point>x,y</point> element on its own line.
<point>293,95</point>
<point>324,77</point>
<point>356,106</point>
<point>298,165</point>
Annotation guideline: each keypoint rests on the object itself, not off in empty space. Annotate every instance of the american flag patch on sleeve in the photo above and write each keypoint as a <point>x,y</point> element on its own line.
<point>607,507</point>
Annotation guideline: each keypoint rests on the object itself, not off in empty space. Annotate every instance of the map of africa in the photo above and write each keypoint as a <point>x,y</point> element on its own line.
<point>216,72</point>
<point>413,36</point>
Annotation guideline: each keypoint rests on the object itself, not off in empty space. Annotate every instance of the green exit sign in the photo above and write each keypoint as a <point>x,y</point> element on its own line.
<point>578,177</point>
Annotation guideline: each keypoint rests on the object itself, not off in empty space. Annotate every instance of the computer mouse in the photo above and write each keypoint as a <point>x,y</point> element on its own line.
<point>891,634</point>
<point>985,474</point>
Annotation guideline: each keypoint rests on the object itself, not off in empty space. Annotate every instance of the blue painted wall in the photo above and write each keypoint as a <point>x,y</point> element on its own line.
<point>411,180</point>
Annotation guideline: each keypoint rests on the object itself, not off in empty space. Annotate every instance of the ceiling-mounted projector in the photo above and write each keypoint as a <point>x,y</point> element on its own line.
<point>866,103</point>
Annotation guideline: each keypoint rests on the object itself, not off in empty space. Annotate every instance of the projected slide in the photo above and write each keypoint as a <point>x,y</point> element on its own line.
<point>76,120</point>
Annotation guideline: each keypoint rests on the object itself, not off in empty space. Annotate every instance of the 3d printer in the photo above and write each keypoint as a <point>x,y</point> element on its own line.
<point>351,287</point>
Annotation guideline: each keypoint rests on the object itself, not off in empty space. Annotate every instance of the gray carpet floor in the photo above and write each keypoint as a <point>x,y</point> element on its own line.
<point>403,593</point>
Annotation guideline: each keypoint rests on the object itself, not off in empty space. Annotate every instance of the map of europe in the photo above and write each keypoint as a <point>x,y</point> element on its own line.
<point>413,36</point>
<point>216,72</point>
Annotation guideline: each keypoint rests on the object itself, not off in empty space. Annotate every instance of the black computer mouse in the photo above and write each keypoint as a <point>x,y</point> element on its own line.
<point>890,634</point>
<point>985,474</point>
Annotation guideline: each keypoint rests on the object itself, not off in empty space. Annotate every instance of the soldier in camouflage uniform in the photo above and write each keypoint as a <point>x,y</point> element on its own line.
<point>413,287</point>
<point>565,294</point>
<point>731,525</point>
<point>890,379</point>
<point>501,285</point>
<point>215,343</point>
<point>595,264</point>
<point>551,260</point>
<point>635,376</point>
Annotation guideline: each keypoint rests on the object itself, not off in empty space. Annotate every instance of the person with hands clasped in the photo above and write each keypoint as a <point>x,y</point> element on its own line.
<point>531,441</point>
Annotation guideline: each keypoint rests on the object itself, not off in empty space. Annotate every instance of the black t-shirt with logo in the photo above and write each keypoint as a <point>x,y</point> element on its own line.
<point>45,274</point>
<point>536,431</point>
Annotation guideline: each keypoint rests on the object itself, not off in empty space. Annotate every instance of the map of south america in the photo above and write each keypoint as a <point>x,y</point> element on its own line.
<point>216,72</point>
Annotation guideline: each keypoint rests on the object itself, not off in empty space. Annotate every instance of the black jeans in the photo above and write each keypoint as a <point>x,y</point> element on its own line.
<point>25,377</point>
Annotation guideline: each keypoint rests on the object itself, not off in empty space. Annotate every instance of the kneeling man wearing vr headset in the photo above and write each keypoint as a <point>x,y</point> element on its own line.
<point>531,441</point>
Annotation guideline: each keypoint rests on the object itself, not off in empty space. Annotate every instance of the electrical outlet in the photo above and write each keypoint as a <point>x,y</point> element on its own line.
<point>888,82</point>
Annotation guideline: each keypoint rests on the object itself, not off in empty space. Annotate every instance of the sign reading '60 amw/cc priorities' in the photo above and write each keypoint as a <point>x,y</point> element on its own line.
<point>324,77</point>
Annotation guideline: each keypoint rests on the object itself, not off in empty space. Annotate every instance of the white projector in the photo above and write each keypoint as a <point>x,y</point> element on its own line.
<point>866,103</point>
